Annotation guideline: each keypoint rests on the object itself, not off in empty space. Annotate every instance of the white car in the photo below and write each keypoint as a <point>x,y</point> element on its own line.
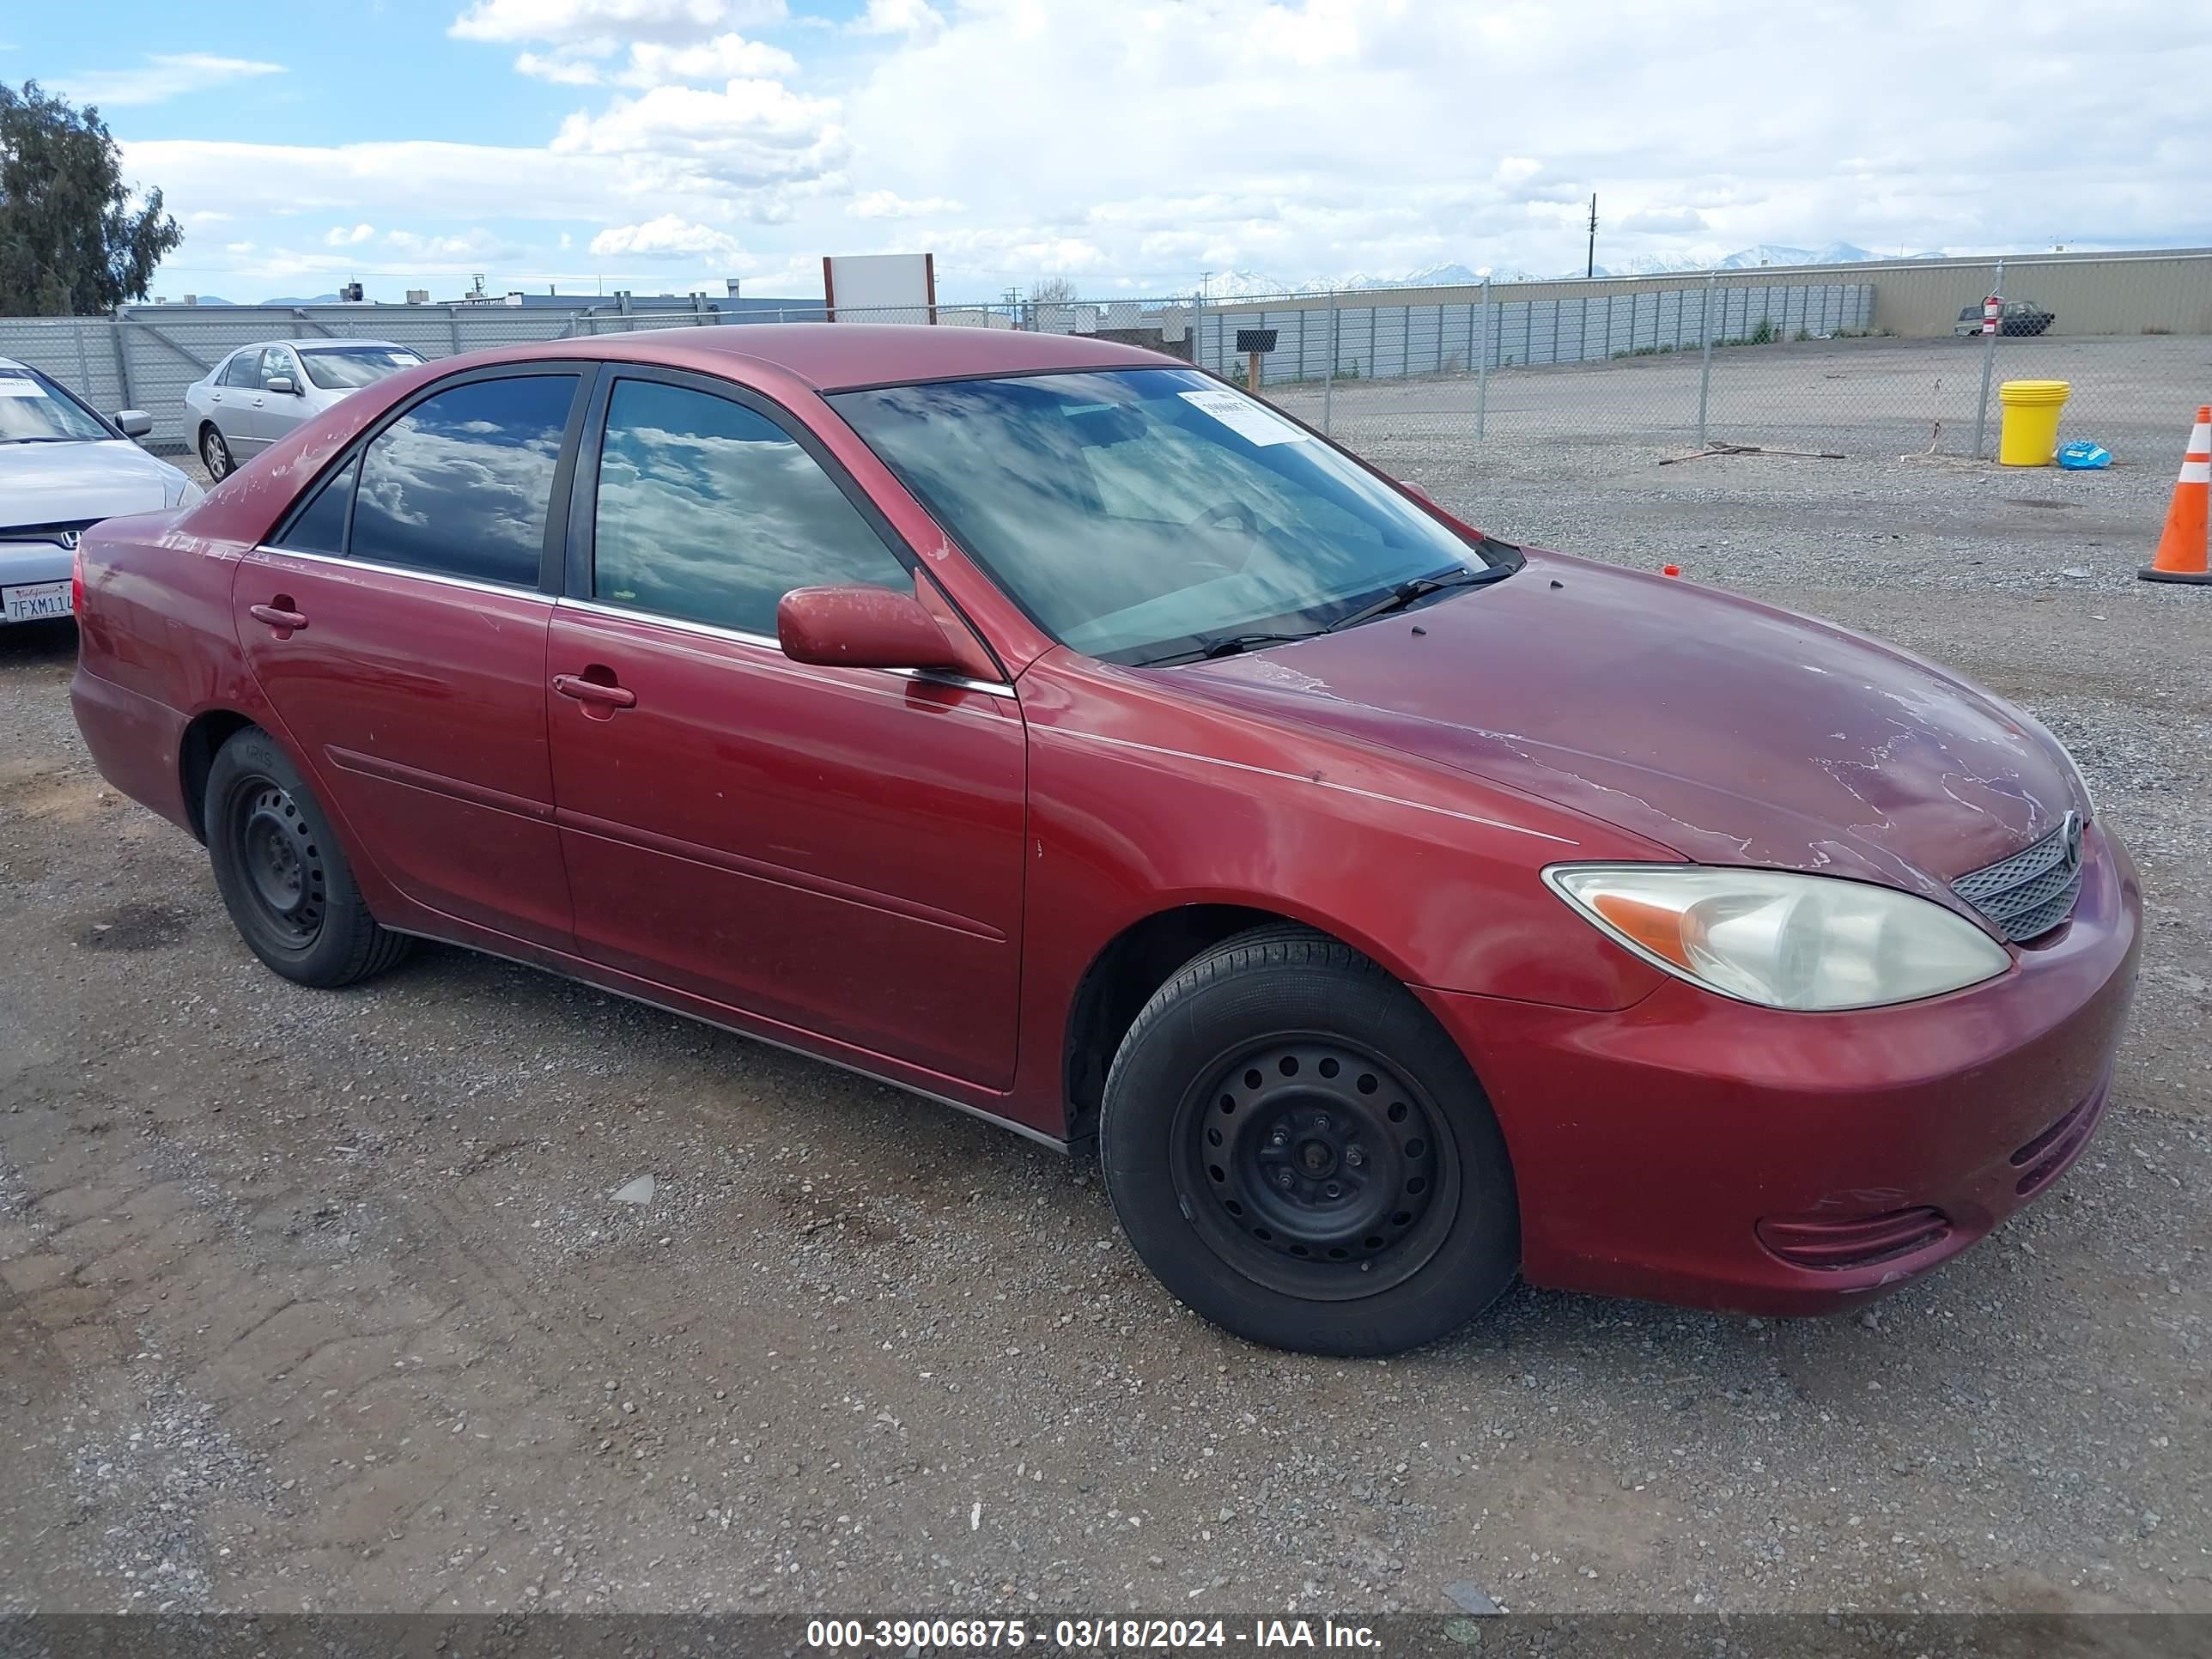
<point>63,469</point>
<point>262,392</point>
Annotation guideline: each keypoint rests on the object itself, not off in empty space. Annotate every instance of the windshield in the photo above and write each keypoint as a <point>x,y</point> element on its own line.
<point>1145,513</point>
<point>345,368</point>
<point>34,410</point>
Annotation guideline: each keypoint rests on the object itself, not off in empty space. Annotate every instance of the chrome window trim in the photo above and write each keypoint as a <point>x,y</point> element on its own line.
<point>505,590</point>
<point>763,642</point>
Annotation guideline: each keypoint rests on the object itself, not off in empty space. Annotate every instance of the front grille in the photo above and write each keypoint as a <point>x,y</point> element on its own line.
<point>1863,1241</point>
<point>2027,894</point>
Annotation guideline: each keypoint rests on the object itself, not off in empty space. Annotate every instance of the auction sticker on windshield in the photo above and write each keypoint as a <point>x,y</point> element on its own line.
<point>1247,419</point>
<point>19,386</point>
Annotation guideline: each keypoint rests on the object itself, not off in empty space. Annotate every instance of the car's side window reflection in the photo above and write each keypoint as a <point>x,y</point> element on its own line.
<point>462,483</point>
<point>320,527</point>
<point>709,512</point>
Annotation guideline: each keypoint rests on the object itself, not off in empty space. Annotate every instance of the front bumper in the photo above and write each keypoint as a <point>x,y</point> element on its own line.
<point>1654,1146</point>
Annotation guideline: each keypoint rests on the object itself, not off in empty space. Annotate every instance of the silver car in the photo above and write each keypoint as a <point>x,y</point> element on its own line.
<point>260,392</point>
<point>63,469</point>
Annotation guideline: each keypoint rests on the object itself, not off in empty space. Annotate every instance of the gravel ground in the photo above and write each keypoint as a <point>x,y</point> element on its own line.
<point>316,1300</point>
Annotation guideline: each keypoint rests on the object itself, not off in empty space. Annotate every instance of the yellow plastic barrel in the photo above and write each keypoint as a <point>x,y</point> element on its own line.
<point>2029,436</point>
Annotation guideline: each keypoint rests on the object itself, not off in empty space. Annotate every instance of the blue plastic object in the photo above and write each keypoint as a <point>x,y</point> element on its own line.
<point>2084,457</point>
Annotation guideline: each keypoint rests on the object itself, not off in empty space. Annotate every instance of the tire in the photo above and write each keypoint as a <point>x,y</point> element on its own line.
<point>215,454</point>
<point>283,877</point>
<point>1302,1156</point>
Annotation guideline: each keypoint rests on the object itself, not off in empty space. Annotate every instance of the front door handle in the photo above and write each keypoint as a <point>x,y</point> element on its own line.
<point>599,692</point>
<point>279,616</point>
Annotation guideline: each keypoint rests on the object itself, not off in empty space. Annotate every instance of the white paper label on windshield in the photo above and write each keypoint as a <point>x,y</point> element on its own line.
<point>19,385</point>
<point>1254,423</point>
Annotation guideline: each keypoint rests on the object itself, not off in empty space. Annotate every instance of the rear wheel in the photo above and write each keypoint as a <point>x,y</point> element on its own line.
<point>285,882</point>
<point>1302,1156</point>
<point>215,455</point>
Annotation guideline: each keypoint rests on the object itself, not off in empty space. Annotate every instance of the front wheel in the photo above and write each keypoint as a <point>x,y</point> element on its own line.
<point>1302,1156</point>
<point>284,879</point>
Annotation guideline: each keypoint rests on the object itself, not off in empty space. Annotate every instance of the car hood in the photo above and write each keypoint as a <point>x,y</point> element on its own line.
<point>61,484</point>
<point>1728,730</point>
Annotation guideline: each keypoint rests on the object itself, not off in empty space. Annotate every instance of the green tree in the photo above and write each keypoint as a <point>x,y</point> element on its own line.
<point>72,242</point>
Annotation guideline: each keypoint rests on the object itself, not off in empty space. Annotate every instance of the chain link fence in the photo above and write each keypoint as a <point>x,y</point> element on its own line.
<point>1885,360</point>
<point>1880,360</point>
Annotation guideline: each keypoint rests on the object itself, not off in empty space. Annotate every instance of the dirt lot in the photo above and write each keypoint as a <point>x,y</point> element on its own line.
<point>315,1300</point>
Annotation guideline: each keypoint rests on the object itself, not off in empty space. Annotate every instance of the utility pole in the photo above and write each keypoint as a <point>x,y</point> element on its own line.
<point>1590,266</point>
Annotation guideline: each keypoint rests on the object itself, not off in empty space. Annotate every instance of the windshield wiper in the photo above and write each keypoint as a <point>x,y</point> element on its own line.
<point>44,438</point>
<point>1419,588</point>
<point>1227,645</point>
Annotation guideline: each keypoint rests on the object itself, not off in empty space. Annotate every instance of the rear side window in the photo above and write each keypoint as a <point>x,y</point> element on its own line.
<point>320,527</point>
<point>244,369</point>
<point>462,484</point>
<point>710,512</point>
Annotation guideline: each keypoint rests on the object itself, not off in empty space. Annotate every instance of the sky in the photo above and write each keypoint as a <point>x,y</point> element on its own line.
<point>1128,146</point>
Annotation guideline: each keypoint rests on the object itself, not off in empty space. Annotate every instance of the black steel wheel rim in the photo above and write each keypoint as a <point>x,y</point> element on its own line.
<point>280,862</point>
<point>1315,1168</point>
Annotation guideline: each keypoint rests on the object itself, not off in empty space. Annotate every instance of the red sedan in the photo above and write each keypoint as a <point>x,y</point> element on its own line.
<point>1051,729</point>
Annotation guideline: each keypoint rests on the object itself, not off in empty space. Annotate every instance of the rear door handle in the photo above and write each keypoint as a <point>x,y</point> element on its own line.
<point>276,617</point>
<point>595,691</point>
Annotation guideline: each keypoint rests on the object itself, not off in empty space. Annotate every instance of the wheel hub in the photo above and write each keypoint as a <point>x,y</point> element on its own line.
<point>282,866</point>
<point>1311,1150</point>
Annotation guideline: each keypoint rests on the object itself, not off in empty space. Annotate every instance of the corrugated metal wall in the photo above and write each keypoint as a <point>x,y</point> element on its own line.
<point>1379,341</point>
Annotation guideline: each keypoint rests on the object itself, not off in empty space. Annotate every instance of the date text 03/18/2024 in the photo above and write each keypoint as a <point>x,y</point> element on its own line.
<point>1086,1635</point>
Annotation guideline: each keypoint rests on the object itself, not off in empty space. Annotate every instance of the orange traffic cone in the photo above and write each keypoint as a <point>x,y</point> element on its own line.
<point>2181,550</point>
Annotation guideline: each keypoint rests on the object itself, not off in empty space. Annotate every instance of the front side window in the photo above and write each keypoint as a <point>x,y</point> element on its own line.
<point>343,368</point>
<point>710,512</point>
<point>277,361</point>
<point>34,410</point>
<point>462,484</point>
<point>1139,513</point>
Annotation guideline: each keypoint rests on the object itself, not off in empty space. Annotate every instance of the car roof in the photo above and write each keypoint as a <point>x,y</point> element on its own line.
<point>841,357</point>
<point>318,345</point>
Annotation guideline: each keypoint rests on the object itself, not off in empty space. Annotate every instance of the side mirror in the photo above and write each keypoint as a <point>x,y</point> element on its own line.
<point>283,383</point>
<point>860,627</point>
<point>134,422</point>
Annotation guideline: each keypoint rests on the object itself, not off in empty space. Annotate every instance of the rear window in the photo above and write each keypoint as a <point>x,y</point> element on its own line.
<point>344,368</point>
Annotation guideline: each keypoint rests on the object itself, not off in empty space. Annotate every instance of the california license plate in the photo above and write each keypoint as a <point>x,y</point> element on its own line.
<point>34,601</point>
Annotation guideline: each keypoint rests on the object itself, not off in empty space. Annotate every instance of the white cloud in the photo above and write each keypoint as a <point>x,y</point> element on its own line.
<point>559,68</point>
<point>898,17</point>
<point>342,236</point>
<point>570,21</point>
<point>161,76</point>
<point>726,57</point>
<point>749,133</point>
<point>666,238</point>
<point>475,246</point>
<point>1663,220</point>
<point>888,205</point>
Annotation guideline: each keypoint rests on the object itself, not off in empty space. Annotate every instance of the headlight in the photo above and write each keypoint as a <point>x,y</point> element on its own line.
<point>191,495</point>
<point>1782,941</point>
